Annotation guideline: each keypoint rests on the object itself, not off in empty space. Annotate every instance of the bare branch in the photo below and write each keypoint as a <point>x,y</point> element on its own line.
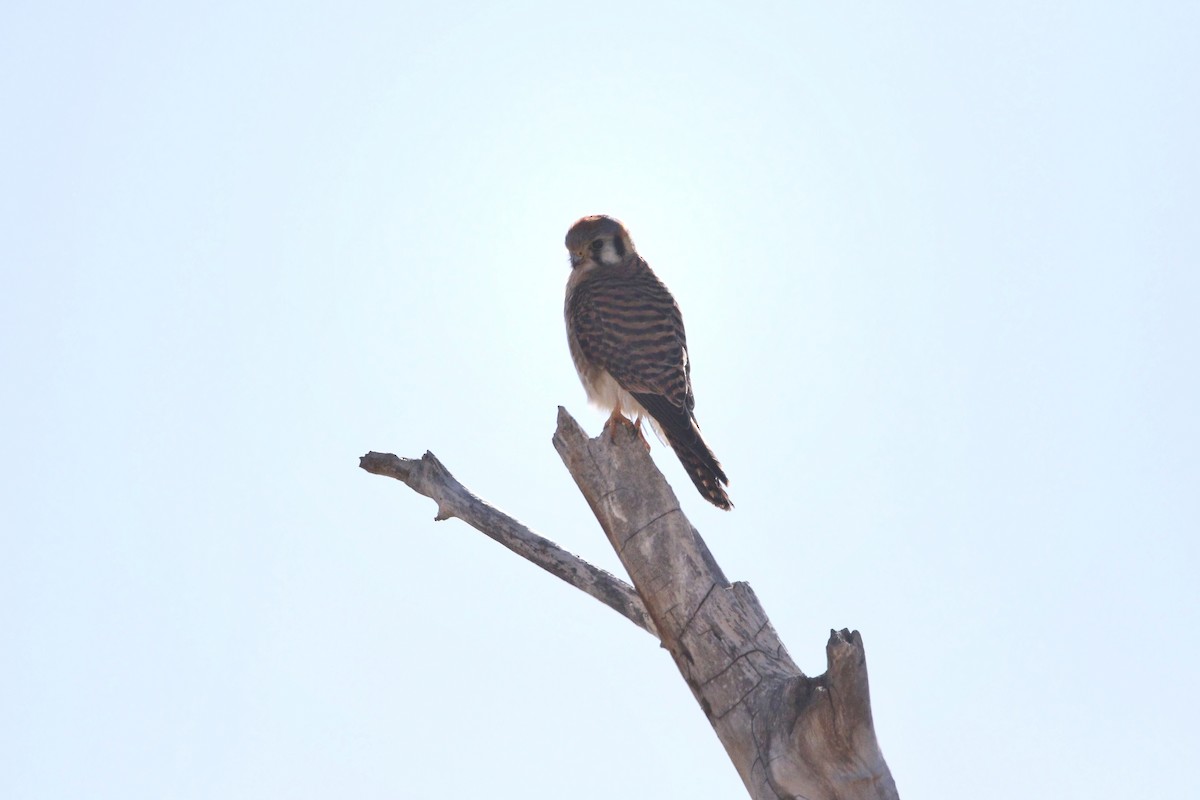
<point>427,476</point>
<point>787,734</point>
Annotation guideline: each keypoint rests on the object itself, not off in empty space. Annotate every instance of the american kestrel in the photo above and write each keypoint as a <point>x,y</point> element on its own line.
<point>626,336</point>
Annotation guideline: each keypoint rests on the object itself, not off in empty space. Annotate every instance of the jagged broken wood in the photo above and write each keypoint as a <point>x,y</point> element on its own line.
<point>788,735</point>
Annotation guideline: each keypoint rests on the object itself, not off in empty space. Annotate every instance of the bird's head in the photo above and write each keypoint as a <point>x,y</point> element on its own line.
<point>598,240</point>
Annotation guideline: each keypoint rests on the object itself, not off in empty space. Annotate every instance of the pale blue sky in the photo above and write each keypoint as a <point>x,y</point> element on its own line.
<point>939,265</point>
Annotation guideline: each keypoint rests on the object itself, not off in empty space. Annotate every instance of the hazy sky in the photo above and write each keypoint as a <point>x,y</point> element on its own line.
<point>940,266</point>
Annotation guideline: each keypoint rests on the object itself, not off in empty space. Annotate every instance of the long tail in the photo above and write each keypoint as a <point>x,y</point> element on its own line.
<point>685,439</point>
<point>703,468</point>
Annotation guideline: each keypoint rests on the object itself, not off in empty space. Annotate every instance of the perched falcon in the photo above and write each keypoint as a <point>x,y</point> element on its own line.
<point>626,337</point>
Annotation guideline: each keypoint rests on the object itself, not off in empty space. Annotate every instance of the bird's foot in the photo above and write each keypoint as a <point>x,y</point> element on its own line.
<point>641,432</point>
<point>618,421</point>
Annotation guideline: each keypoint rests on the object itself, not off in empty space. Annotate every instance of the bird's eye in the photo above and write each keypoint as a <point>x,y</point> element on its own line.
<point>596,246</point>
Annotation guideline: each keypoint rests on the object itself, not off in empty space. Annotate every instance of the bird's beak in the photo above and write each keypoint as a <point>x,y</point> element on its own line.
<point>576,258</point>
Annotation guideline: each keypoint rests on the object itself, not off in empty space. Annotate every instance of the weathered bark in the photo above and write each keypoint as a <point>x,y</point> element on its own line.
<point>788,735</point>
<point>427,476</point>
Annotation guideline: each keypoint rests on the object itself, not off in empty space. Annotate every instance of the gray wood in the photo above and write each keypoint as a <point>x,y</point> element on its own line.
<point>788,735</point>
<point>427,476</point>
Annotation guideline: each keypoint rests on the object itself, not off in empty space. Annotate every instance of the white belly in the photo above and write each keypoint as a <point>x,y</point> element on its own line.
<point>604,391</point>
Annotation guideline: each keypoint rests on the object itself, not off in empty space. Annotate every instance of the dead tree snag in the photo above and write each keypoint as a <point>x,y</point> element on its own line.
<point>788,735</point>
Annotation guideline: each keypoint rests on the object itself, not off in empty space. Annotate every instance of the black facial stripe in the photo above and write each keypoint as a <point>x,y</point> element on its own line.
<point>619,246</point>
